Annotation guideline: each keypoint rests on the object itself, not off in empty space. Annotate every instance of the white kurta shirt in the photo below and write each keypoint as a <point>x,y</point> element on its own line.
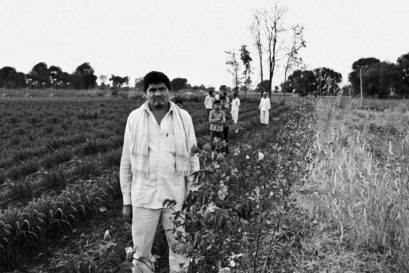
<point>235,104</point>
<point>162,183</point>
<point>265,104</point>
<point>208,102</point>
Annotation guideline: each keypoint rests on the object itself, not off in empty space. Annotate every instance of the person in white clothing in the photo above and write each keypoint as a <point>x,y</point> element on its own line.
<point>156,165</point>
<point>235,106</point>
<point>217,95</point>
<point>265,106</point>
<point>209,100</point>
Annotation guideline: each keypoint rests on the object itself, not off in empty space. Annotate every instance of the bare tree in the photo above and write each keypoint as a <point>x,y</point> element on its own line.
<point>234,68</point>
<point>255,29</point>
<point>272,19</point>
<point>293,59</point>
<point>246,59</point>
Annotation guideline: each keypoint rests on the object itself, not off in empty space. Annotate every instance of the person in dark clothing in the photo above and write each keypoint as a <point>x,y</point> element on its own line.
<point>226,124</point>
<point>216,119</point>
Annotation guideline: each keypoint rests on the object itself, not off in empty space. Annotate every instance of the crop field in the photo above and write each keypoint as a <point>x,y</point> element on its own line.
<point>322,188</point>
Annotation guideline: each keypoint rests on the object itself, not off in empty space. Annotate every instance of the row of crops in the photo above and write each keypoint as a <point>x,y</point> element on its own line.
<point>78,130</point>
<point>242,218</point>
<point>75,158</point>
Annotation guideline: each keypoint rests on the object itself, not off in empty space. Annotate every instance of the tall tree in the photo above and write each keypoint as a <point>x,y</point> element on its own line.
<point>273,27</point>
<point>246,59</point>
<point>292,56</point>
<point>84,77</point>
<point>55,74</point>
<point>178,84</point>
<point>39,76</point>
<point>255,30</point>
<point>327,81</point>
<point>118,81</point>
<point>357,66</point>
<point>262,86</point>
<point>10,78</point>
<point>302,82</point>
<point>234,67</point>
<point>379,79</point>
<point>223,88</point>
<point>403,64</point>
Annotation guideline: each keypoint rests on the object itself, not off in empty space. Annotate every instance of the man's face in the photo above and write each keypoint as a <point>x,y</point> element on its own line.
<point>217,106</point>
<point>158,95</point>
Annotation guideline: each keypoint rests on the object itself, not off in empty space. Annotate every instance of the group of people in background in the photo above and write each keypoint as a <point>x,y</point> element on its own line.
<point>220,116</point>
<point>221,113</point>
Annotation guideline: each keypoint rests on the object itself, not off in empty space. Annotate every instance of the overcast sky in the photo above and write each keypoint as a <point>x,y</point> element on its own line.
<point>187,38</point>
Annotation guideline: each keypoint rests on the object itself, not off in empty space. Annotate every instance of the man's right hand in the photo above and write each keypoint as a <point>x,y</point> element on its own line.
<point>127,213</point>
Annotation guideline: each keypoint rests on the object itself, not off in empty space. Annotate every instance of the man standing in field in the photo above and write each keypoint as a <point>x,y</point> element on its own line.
<point>264,107</point>
<point>235,106</point>
<point>156,164</point>
<point>209,100</point>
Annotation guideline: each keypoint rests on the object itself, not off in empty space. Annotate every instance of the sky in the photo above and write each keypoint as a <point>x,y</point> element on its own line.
<point>188,38</point>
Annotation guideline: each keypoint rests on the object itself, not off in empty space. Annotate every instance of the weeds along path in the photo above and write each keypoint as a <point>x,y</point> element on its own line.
<point>246,208</point>
<point>356,189</point>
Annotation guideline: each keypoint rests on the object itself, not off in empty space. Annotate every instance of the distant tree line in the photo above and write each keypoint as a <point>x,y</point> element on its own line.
<point>41,76</point>
<point>381,79</point>
<point>321,81</point>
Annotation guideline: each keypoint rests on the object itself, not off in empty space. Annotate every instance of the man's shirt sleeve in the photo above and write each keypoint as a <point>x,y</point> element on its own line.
<point>194,159</point>
<point>125,173</point>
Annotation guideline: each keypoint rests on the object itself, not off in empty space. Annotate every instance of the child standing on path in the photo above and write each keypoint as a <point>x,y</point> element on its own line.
<point>217,119</point>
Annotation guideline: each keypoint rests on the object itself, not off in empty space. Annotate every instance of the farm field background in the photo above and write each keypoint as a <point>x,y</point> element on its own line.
<point>328,194</point>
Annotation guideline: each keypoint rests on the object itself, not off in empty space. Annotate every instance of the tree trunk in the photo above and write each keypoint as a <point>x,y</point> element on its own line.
<point>261,74</point>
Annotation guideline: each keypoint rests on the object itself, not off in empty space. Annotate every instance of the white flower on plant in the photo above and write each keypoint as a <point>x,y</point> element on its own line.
<point>222,191</point>
<point>129,253</point>
<point>247,157</point>
<point>235,171</point>
<point>260,156</point>
<point>211,208</point>
<point>107,236</point>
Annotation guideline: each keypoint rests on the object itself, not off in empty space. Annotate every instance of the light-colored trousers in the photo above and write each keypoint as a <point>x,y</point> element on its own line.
<point>235,115</point>
<point>264,117</point>
<point>144,224</point>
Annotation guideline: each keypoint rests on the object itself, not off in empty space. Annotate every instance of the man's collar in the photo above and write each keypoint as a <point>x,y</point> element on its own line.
<point>147,108</point>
